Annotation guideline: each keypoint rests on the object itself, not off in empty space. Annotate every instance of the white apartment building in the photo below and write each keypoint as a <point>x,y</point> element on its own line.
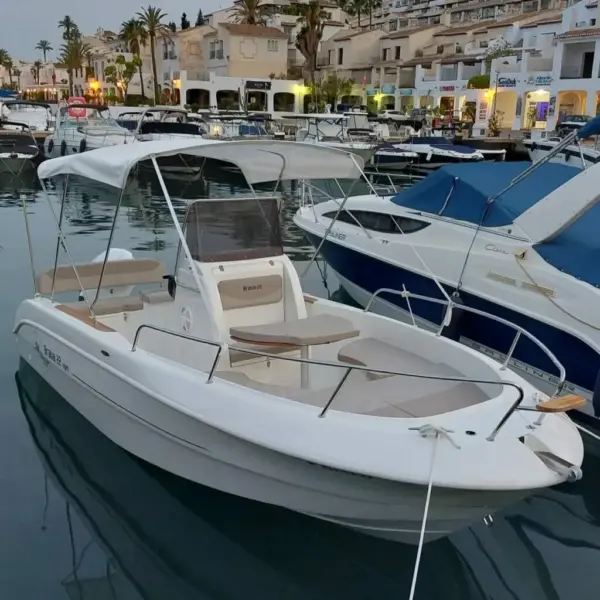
<point>552,67</point>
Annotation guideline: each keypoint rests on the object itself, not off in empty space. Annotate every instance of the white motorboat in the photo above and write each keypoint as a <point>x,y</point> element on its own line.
<point>235,379</point>
<point>36,115</point>
<point>574,155</point>
<point>83,127</point>
<point>331,130</point>
<point>19,151</point>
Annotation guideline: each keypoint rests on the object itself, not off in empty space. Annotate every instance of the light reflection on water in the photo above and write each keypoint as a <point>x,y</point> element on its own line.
<point>106,525</point>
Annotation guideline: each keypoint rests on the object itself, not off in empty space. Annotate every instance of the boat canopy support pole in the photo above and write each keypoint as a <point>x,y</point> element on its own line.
<point>31,262</point>
<point>110,239</point>
<point>58,237</point>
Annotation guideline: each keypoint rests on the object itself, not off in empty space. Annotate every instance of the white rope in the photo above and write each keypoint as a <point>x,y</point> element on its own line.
<point>590,433</point>
<point>427,431</point>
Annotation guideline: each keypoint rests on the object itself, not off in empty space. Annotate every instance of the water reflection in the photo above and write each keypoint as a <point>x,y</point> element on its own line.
<point>167,537</point>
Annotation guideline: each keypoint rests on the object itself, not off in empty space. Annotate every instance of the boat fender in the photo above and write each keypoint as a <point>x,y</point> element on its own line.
<point>63,148</point>
<point>452,331</point>
<point>596,396</point>
<point>50,146</point>
<point>82,145</point>
<point>534,146</point>
<point>171,285</point>
<point>429,155</point>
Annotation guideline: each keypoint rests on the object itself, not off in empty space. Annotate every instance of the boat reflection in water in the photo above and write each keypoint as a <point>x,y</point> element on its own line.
<point>170,538</point>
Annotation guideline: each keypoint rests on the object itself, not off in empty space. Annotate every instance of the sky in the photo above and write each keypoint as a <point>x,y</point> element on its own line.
<point>23,23</point>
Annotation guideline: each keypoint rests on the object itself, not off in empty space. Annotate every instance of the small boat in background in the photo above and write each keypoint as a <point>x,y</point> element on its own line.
<point>83,127</point>
<point>19,150</point>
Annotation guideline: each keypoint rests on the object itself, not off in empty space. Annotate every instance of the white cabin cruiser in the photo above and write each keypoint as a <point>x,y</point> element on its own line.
<point>158,123</point>
<point>233,378</point>
<point>36,115</point>
<point>83,127</point>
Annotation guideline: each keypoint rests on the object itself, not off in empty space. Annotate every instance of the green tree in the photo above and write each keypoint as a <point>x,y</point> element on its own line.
<point>121,73</point>
<point>372,5</point>
<point>44,47</point>
<point>250,12</point>
<point>69,27</point>
<point>151,20</point>
<point>35,71</point>
<point>199,18</point>
<point>185,24</point>
<point>354,8</point>
<point>312,23</point>
<point>72,55</point>
<point>8,65</point>
<point>136,36</point>
<point>333,88</point>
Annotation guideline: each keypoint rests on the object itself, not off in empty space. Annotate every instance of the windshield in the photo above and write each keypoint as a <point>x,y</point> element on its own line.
<point>224,230</point>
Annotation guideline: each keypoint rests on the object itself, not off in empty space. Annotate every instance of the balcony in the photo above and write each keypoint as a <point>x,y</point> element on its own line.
<point>575,72</point>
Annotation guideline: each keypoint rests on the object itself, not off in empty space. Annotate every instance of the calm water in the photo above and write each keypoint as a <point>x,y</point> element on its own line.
<point>82,519</point>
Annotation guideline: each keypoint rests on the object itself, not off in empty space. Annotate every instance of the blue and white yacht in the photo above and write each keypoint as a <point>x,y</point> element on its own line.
<point>517,241</point>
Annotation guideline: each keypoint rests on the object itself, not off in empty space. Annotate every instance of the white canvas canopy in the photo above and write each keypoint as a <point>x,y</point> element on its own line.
<point>259,161</point>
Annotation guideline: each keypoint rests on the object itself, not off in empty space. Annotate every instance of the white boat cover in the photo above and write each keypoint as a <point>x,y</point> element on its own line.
<point>259,160</point>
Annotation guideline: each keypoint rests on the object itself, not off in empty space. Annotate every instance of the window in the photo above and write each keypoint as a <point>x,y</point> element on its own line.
<point>393,25</point>
<point>340,56</point>
<point>397,52</point>
<point>272,45</point>
<point>386,52</point>
<point>215,49</point>
<point>381,222</point>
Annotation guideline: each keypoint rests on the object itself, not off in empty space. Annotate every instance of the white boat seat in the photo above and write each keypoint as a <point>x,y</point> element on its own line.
<point>156,297</point>
<point>117,273</point>
<point>381,355</point>
<point>321,329</point>
<point>388,397</point>
<point>109,306</point>
<point>250,291</point>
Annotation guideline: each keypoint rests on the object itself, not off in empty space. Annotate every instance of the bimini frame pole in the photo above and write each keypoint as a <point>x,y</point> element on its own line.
<point>110,239</point>
<point>59,236</point>
<point>335,218</point>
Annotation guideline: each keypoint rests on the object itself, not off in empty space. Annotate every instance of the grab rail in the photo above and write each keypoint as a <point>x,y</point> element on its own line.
<point>219,345</point>
<point>519,331</point>
<point>325,363</point>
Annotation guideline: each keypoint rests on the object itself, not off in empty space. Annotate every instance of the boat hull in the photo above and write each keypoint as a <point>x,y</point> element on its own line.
<point>168,438</point>
<point>367,274</point>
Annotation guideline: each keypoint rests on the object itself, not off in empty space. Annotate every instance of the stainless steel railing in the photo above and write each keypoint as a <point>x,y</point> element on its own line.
<point>450,305</point>
<point>349,368</point>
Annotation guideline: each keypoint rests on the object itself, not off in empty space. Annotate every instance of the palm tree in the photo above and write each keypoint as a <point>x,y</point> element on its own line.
<point>35,71</point>
<point>8,65</point>
<point>354,7</point>
<point>44,47</point>
<point>4,56</point>
<point>73,55</point>
<point>249,12</point>
<point>136,36</point>
<point>150,20</point>
<point>312,23</point>
<point>69,27</point>
<point>371,6</point>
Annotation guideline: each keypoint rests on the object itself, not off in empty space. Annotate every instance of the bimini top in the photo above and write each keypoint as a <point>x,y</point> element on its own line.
<point>461,191</point>
<point>259,161</point>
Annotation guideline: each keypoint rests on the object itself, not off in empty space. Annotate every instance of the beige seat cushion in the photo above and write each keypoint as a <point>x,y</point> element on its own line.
<point>110,306</point>
<point>322,329</point>
<point>389,397</point>
<point>381,355</point>
<point>156,297</point>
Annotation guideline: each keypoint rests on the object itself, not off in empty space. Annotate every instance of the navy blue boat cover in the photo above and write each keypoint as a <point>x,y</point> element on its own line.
<point>463,190</point>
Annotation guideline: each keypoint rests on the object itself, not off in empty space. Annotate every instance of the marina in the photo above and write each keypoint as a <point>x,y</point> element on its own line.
<point>300,301</point>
